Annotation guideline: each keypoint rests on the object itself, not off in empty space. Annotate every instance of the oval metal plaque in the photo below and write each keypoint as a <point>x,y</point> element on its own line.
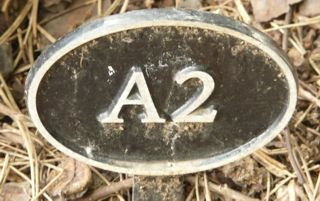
<point>160,92</point>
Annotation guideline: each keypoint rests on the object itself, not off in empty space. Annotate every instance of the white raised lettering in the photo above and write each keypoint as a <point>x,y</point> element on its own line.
<point>143,97</point>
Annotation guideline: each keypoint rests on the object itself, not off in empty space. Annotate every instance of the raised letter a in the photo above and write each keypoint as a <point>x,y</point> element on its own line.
<point>135,77</point>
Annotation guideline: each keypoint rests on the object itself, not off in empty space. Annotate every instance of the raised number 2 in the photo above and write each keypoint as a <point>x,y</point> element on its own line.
<point>188,112</point>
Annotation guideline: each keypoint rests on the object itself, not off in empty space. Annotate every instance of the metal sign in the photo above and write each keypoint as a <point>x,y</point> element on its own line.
<point>161,92</point>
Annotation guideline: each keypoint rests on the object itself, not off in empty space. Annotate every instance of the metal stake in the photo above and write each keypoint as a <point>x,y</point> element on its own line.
<point>158,188</point>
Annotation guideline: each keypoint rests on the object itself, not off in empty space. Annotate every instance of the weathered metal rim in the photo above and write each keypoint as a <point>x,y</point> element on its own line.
<point>147,19</point>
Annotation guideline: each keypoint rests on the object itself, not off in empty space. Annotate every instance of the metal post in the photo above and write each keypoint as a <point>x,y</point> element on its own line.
<point>158,188</point>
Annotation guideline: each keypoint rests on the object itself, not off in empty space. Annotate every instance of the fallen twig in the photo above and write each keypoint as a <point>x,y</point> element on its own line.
<point>104,191</point>
<point>16,23</point>
<point>292,160</point>
<point>308,96</point>
<point>285,31</point>
<point>222,189</point>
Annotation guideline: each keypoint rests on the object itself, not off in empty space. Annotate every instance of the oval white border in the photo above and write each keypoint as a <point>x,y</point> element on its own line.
<point>164,167</point>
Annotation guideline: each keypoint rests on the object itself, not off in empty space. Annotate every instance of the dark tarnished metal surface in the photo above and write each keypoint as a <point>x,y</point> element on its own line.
<point>158,189</point>
<point>81,76</point>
